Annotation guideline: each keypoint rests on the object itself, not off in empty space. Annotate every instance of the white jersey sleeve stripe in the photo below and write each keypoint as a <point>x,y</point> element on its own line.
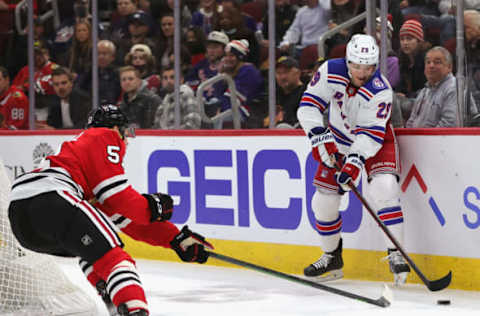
<point>112,190</point>
<point>107,182</point>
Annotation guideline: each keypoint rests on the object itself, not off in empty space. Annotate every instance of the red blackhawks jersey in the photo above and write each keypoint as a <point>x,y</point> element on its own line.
<point>14,108</point>
<point>42,79</point>
<point>90,167</point>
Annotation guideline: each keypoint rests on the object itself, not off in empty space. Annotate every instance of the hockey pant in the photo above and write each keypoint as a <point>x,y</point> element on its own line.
<point>383,194</point>
<point>59,223</point>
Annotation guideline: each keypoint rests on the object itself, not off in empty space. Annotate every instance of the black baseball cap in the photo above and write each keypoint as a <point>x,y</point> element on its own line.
<point>288,62</point>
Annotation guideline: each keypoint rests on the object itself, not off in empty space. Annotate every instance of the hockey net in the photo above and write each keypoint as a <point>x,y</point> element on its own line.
<point>31,283</point>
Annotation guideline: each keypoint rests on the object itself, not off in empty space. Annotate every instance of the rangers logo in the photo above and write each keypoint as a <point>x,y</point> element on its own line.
<point>315,78</point>
<point>41,151</point>
<point>377,83</point>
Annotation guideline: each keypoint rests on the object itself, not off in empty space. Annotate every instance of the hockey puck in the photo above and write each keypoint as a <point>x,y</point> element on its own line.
<point>443,302</point>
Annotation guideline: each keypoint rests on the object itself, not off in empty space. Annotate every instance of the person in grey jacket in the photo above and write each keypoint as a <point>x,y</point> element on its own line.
<point>436,103</point>
<point>190,117</point>
<point>138,102</point>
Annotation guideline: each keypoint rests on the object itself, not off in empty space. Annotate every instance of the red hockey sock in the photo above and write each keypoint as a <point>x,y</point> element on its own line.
<point>118,269</point>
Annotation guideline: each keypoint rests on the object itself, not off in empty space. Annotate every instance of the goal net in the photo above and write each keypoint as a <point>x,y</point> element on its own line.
<point>32,283</point>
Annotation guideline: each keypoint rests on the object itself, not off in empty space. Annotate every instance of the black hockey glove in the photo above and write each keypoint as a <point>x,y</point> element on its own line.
<point>190,246</point>
<point>161,206</point>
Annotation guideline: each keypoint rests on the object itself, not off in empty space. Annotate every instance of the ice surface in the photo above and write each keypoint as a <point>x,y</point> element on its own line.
<point>180,289</point>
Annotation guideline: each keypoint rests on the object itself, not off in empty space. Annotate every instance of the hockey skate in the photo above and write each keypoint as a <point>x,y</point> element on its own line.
<point>398,266</point>
<point>328,267</point>
<point>102,291</point>
<point>123,311</point>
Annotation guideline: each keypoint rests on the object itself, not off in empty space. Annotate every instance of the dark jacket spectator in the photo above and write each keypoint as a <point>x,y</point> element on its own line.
<point>108,80</point>
<point>69,107</point>
<point>139,103</point>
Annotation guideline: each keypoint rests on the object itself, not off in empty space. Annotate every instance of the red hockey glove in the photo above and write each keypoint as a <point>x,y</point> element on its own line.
<point>351,171</point>
<point>190,246</point>
<point>161,206</point>
<point>324,149</point>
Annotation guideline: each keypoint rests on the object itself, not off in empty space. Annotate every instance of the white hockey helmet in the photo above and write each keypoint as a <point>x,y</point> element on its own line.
<point>362,49</point>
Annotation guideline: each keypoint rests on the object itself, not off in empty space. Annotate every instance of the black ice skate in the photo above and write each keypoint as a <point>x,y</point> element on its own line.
<point>102,291</point>
<point>328,267</point>
<point>398,266</point>
<point>123,311</point>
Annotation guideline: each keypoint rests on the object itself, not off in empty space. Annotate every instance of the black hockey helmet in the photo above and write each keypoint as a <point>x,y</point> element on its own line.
<point>109,115</point>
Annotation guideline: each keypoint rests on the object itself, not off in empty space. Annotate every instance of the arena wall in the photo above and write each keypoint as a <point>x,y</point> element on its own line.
<point>249,193</point>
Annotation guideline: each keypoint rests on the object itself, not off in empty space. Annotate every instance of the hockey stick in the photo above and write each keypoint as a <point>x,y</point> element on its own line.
<point>383,301</point>
<point>433,285</point>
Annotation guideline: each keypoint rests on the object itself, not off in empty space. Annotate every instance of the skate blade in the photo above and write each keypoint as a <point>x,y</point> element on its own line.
<point>400,278</point>
<point>329,276</point>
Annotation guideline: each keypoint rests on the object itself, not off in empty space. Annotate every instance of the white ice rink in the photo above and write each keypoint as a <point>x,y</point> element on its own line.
<point>177,289</point>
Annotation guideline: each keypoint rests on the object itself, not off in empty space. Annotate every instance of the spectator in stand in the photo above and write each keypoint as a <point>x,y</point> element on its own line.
<point>248,20</point>
<point>248,80</point>
<point>160,8</point>
<point>70,108</point>
<point>342,11</point>
<point>140,57</point>
<point>109,82</point>
<point>79,56</point>
<point>13,103</point>
<point>232,23</point>
<point>411,59</point>
<point>190,117</point>
<point>165,56</point>
<point>63,37</point>
<point>206,16</point>
<point>138,103</point>
<point>196,44</point>
<point>310,22</point>
<point>208,67</point>
<point>436,104</point>
<point>140,31</point>
<point>42,73</point>
<point>119,19</point>
<point>420,7</point>
<point>472,58</point>
<point>447,7</point>
<point>289,92</point>
<point>284,17</point>
<point>144,5</point>
<point>393,68</point>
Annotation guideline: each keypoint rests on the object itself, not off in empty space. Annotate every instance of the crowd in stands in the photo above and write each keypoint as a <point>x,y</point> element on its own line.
<point>136,60</point>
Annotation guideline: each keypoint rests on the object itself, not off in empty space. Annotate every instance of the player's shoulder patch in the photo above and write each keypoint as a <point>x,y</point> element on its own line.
<point>377,84</point>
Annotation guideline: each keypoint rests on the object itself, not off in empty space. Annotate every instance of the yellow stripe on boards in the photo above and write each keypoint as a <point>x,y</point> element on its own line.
<point>359,264</point>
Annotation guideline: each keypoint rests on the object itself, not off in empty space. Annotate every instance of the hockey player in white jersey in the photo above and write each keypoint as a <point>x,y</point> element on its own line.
<point>358,136</point>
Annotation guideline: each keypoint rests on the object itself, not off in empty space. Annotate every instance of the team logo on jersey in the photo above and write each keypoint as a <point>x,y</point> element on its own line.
<point>377,83</point>
<point>41,151</point>
<point>315,79</point>
<point>86,240</point>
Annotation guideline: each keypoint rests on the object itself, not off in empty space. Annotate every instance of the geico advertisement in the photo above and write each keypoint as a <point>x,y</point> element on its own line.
<point>258,188</point>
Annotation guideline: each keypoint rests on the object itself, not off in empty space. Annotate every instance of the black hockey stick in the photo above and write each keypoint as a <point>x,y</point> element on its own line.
<point>433,285</point>
<point>383,301</point>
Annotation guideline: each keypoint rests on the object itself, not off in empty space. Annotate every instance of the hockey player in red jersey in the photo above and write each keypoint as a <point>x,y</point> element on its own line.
<point>71,203</point>
<point>358,137</point>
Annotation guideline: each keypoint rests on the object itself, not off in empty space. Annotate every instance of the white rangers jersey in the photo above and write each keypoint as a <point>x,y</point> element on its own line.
<point>359,119</point>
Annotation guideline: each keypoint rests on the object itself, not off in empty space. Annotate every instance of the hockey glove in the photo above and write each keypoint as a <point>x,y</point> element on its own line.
<point>324,149</point>
<point>161,206</point>
<point>190,246</point>
<point>350,172</point>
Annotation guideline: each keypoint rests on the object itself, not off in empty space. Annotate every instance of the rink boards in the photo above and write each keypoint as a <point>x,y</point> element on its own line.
<point>249,193</point>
